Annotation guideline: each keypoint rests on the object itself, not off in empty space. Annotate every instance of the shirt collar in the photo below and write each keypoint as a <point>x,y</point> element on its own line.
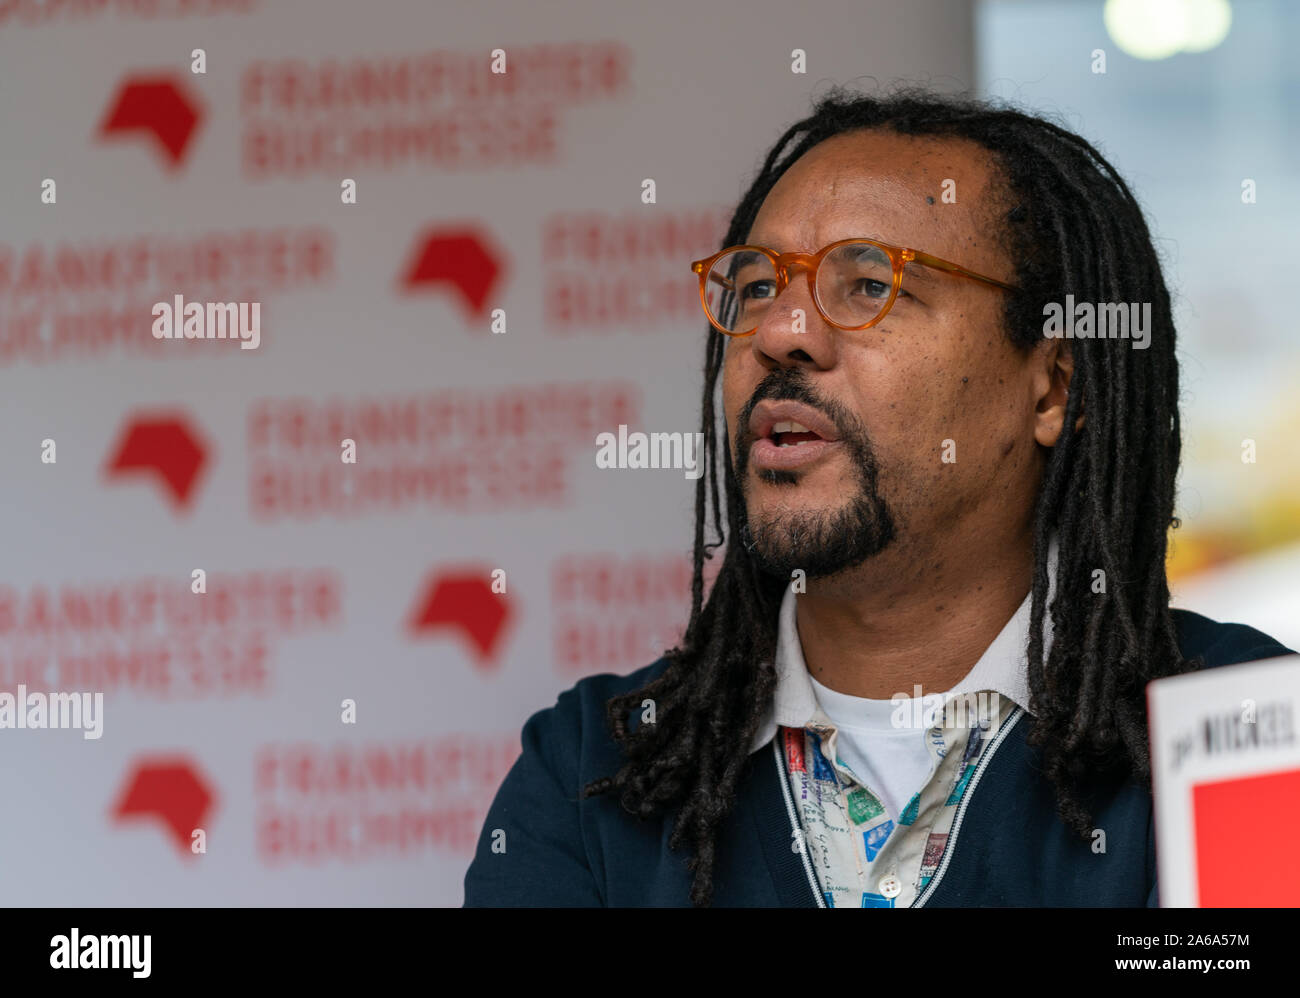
<point>1003,668</point>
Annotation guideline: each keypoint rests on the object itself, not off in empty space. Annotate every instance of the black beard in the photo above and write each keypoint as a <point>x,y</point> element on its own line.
<point>820,544</point>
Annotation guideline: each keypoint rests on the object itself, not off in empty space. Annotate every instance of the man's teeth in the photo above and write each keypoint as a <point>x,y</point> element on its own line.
<point>790,426</point>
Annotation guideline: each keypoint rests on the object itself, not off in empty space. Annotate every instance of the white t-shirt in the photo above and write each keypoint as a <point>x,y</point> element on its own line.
<point>893,762</point>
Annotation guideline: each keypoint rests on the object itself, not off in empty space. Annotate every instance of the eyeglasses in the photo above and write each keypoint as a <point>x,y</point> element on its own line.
<point>853,282</point>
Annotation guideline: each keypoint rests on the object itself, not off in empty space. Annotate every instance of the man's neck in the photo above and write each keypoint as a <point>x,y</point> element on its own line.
<point>883,631</point>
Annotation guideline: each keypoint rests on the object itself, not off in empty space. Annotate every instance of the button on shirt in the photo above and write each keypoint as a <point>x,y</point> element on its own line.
<point>876,804</point>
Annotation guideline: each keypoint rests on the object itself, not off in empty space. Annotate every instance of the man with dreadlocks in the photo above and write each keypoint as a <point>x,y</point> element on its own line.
<point>927,502</point>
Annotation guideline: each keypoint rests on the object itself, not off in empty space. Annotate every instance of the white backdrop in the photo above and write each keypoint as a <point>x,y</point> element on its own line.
<point>475,452</point>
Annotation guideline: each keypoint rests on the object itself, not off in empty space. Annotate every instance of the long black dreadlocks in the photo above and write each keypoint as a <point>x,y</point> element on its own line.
<point>1073,227</point>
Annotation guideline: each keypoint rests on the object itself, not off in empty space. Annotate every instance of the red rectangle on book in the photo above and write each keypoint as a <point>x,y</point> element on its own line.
<point>1247,843</point>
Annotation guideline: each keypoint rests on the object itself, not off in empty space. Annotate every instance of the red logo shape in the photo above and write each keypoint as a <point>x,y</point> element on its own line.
<point>171,790</point>
<point>159,106</point>
<point>163,445</point>
<point>463,601</point>
<point>462,257</point>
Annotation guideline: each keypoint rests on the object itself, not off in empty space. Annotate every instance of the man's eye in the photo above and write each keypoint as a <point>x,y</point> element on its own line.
<point>757,290</point>
<point>875,289</point>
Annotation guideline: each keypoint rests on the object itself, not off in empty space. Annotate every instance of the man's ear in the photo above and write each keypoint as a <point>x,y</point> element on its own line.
<point>1054,362</point>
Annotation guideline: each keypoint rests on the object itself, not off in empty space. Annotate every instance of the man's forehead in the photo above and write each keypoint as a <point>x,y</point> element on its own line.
<point>877,185</point>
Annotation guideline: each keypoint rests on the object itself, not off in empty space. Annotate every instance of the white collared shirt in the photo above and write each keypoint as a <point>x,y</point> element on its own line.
<point>1003,668</point>
<point>876,792</point>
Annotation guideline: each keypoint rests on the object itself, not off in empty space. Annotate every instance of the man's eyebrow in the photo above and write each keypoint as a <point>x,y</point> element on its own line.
<point>777,249</point>
<point>913,271</point>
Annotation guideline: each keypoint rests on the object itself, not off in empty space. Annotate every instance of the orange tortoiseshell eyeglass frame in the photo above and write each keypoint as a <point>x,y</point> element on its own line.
<point>784,263</point>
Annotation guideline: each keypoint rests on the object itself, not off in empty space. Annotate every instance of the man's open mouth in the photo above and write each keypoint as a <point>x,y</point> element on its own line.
<point>789,435</point>
<point>792,434</point>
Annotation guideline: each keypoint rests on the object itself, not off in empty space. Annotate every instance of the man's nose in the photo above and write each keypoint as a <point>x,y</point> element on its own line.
<point>791,328</point>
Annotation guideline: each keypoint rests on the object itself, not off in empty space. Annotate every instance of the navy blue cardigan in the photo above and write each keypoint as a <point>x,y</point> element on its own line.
<point>1007,847</point>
